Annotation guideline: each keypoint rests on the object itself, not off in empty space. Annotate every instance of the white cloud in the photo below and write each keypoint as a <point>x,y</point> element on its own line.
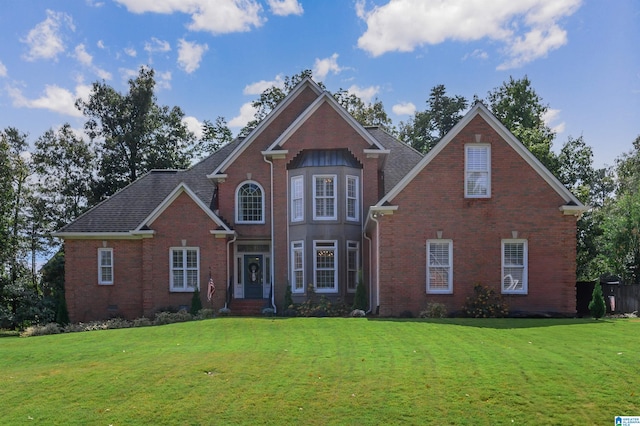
<point>193,125</point>
<point>55,98</point>
<point>100,44</point>
<point>286,7</point>
<point>247,112</point>
<point>81,54</point>
<point>528,29</point>
<point>322,67</point>
<point>3,70</point>
<point>216,17</point>
<point>157,45</point>
<point>260,86</point>
<point>130,51</point>
<point>45,39</point>
<point>404,108</point>
<point>190,55</point>
<point>163,80</point>
<point>367,94</point>
<point>551,117</point>
<point>476,54</point>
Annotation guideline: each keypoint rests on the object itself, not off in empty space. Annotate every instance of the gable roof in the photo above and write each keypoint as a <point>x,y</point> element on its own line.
<point>481,110</point>
<point>128,209</point>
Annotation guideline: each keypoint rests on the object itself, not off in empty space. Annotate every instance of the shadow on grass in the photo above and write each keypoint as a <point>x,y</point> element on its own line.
<point>501,323</point>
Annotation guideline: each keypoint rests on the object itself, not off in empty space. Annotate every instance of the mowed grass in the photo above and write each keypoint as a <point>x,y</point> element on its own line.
<point>327,371</point>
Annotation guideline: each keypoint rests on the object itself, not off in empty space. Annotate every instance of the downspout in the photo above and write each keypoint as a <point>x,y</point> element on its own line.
<point>370,286</point>
<point>373,217</point>
<point>229,268</point>
<point>271,260</point>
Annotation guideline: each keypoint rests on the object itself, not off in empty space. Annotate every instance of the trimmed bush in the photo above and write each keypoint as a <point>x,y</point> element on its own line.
<point>41,330</point>
<point>597,306</point>
<point>434,310</point>
<point>485,303</point>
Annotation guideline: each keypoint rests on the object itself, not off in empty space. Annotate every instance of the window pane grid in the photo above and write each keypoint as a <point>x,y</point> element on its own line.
<point>105,266</point>
<point>250,203</point>
<point>439,266</point>
<point>185,269</point>
<point>325,266</point>
<point>352,197</point>
<point>514,276</point>
<point>297,260</point>
<point>324,198</point>
<point>477,178</point>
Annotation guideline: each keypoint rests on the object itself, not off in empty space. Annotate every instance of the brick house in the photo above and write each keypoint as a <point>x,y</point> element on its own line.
<point>311,197</point>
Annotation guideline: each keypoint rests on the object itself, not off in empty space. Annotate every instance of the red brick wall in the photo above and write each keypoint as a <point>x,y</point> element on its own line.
<point>141,267</point>
<point>520,201</point>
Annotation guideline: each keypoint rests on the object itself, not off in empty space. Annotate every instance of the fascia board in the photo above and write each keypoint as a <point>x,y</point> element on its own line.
<point>307,82</point>
<point>130,235</point>
<point>182,187</point>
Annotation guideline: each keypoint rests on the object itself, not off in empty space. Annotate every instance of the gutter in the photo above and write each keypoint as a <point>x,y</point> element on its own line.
<point>271,260</point>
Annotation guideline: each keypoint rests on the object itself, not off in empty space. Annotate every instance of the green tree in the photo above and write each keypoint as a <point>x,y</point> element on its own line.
<point>134,133</point>
<point>64,165</point>
<point>214,136</point>
<point>427,127</point>
<point>372,114</point>
<point>597,306</point>
<point>517,105</point>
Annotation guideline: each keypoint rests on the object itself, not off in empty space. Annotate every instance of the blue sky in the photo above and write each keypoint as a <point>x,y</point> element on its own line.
<point>213,57</point>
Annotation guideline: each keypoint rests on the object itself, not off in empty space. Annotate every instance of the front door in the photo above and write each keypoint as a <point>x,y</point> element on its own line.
<point>253,276</point>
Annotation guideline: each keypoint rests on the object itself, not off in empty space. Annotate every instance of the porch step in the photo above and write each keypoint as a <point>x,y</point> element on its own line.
<point>247,307</point>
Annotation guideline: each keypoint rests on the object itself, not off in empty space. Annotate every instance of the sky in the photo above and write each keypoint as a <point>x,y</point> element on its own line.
<point>213,57</point>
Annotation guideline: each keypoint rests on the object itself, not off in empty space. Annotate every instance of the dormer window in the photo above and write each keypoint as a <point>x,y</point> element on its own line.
<point>477,171</point>
<point>249,203</point>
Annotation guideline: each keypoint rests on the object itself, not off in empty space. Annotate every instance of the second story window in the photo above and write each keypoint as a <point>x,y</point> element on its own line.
<point>352,198</point>
<point>477,171</point>
<point>297,198</point>
<point>324,197</point>
<point>250,203</point>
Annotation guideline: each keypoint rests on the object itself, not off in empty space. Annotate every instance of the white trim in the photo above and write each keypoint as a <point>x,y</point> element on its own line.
<point>130,235</point>
<point>351,247</point>
<point>512,289</point>
<point>316,248</point>
<point>297,246</point>
<point>505,134</point>
<point>237,203</point>
<point>184,269</point>
<point>101,280</point>
<point>335,196</point>
<point>449,266</point>
<point>293,180</point>
<point>356,198</point>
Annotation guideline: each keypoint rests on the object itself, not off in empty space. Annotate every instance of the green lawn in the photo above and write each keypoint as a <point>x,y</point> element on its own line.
<point>318,371</point>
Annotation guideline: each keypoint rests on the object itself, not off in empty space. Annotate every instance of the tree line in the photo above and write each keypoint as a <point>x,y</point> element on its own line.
<point>49,184</point>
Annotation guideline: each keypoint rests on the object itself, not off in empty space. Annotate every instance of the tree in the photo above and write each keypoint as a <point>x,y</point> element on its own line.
<point>372,114</point>
<point>215,135</point>
<point>427,127</point>
<point>135,134</point>
<point>520,109</point>
<point>64,165</point>
<point>597,306</point>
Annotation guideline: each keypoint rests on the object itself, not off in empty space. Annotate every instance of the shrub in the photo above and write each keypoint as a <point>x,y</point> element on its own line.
<point>358,313</point>
<point>597,305</point>
<point>485,303</point>
<point>224,312</point>
<point>196,303</point>
<point>115,323</point>
<point>288,298</point>
<point>360,299</point>
<point>163,318</point>
<point>434,310</point>
<point>142,322</point>
<point>41,330</point>
<point>205,313</point>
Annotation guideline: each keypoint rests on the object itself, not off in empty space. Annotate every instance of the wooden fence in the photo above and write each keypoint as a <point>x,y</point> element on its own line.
<point>626,298</point>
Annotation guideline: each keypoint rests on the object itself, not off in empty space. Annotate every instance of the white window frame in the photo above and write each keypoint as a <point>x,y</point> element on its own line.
<point>238,215</point>
<point>432,267</point>
<point>333,197</point>
<point>352,198</point>
<point>353,270</point>
<point>297,198</point>
<point>473,170</point>
<point>185,269</point>
<point>322,245</point>
<point>102,268</point>
<point>510,285</point>
<point>297,247</point>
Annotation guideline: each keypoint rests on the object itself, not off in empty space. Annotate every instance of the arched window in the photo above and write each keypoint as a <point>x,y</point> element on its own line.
<point>249,203</point>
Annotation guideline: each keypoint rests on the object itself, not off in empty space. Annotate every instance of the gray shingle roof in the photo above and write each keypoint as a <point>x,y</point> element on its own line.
<point>401,159</point>
<point>126,209</point>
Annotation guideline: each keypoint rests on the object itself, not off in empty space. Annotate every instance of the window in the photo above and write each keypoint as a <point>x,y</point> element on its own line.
<point>352,198</point>
<point>324,200</point>
<point>185,269</point>
<point>439,266</point>
<point>105,266</point>
<point>353,260</point>
<point>249,203</point>
<point>297,267</point>
<point>514,266</point>
<point>297,198</point>
<point>477,179</point>
<point>325,266</point>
